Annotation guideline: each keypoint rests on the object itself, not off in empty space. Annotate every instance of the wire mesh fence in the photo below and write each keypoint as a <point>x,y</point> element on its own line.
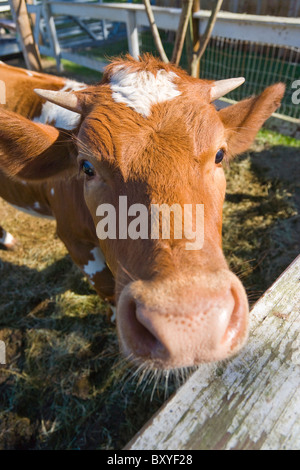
<point>289,8</point>
<point>260,64</point>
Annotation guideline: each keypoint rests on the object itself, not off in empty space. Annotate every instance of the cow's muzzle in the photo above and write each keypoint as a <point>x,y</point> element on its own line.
<point>183,322</point>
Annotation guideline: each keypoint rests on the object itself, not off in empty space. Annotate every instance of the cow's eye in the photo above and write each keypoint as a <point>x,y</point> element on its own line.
<point>87,168</point>
<point>219,156</point>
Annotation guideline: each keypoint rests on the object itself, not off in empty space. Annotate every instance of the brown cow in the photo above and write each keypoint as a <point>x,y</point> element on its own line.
<point>149,132</point>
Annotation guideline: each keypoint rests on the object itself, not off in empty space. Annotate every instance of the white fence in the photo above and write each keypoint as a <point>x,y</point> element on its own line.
<point>4,6</point>
<point>275,30</point>
<point>271,42</point>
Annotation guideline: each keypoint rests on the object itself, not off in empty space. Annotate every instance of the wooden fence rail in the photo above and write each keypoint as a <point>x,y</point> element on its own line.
<point>274,30</point>
<point>281,32</point>
<point>252,7</point>
<point>4,6</point>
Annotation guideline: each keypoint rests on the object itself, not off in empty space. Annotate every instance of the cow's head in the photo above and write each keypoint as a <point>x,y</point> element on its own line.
<point>151,133</point>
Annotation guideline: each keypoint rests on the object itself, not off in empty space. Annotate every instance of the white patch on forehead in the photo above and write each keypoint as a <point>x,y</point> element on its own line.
<point>140,90</point>
<point>96,265</point>
<point>58,116</point>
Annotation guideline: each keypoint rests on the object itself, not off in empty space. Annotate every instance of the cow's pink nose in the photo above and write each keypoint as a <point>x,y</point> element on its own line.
<point>176,333</point>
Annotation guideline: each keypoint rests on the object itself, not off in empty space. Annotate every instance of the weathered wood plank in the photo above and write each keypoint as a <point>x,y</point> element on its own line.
<point>249,402</point>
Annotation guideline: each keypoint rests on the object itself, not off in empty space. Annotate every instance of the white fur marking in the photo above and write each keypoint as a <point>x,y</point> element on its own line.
<point>96,265</point>
<point>113,318</point>
<point>52,191</point>
<point>58,116</point>
<point>140,90</point>
<point>7,239</point>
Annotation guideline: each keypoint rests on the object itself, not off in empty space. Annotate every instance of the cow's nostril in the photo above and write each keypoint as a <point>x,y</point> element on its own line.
<point>144,341</point>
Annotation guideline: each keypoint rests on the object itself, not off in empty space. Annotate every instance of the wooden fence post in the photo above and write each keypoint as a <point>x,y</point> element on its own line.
<point>132,34</point>
<point>205,38</point>
<point>195,38</point>
<point>29,48</point>
<point>52,35</point>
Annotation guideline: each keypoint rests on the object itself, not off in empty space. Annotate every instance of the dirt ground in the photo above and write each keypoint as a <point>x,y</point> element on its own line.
<point>64,385</point>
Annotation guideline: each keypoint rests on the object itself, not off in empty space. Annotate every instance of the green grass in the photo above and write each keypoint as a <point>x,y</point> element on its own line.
<point>271,138</point>
<point>84,73</point>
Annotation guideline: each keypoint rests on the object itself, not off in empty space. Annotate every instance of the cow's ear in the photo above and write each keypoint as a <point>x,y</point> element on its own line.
<point>243,120</point>
<point>34,151</point>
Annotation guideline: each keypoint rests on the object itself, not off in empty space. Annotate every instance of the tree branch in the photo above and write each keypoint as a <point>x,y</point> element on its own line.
<point>181,32</point>
<point>209,29</point>
<point>155,32</point>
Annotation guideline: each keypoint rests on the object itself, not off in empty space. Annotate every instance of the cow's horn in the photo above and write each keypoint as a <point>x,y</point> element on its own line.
<point>62,98</point>
<point>222,87</point>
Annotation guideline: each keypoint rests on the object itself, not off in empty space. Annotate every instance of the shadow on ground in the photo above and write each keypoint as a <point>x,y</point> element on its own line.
<point>261,216</point>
